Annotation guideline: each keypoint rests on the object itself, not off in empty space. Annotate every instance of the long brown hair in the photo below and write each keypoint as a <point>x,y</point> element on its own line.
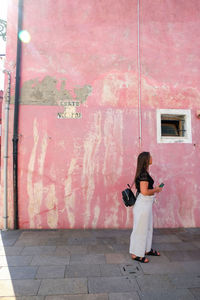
<point>142,163</point>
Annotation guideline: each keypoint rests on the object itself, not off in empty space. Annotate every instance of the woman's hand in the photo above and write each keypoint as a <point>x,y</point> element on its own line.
<point>158,189</point>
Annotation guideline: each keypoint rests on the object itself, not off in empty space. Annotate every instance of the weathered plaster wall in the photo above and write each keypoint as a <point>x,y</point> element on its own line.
<point>72,171</point>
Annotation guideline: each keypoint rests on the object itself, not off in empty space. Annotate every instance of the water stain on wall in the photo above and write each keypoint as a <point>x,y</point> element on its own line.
<point>51,203</point>
<point>96,214</point>
<point>111,214</point>
<point>155,94</point>
<point>91,164</point>
<point>32,208</point>
<point>113,143</point>
<point>70,194</point>
<point>45,92</point>
<point>35,189</point>
<point>119,87</point>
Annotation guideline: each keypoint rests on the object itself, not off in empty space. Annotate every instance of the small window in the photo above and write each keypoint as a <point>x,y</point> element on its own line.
<point>173,126</point>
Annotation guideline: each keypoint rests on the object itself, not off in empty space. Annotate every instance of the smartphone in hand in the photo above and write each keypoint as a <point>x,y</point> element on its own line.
<point>161,185</point>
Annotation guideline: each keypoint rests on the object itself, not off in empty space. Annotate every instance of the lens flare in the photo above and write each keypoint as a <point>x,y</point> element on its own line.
<point>25,36</point>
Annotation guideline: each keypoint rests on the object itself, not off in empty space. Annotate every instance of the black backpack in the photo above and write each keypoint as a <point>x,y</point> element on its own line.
<point>128,196</point>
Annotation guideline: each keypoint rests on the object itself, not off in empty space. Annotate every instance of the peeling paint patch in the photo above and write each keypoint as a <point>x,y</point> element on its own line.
<point>83,92</point>
<point>46,92</point>
<point>40,92</point>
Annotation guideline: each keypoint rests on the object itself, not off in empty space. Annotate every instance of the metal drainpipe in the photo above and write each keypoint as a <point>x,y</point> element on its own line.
<point>6,151</point>
<point>16,117</point>
<point>139,78</point>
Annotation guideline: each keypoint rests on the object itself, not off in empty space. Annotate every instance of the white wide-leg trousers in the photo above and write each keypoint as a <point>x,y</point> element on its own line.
<point>141,236</point>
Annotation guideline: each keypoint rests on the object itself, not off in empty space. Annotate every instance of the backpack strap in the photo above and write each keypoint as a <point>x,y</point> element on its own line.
<point>130,187</point>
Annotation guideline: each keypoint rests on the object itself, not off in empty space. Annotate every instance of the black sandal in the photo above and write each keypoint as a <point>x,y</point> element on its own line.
<point>153,253</point>
<point>141,259</point>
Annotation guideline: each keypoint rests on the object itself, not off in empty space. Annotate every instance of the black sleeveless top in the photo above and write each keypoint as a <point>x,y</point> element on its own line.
<point>144,176</point>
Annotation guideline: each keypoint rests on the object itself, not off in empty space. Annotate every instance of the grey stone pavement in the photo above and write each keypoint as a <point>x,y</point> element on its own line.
<point>96,265</point>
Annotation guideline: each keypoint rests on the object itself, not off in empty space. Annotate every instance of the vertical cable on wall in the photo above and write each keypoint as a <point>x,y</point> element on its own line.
<point>139,77</point>
<point>16,116</point>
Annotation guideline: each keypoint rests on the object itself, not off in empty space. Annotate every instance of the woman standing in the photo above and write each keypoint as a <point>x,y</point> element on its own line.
<point>141,236</point>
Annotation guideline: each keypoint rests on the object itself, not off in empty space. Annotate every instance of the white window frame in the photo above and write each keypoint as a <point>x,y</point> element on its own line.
<point>176,139</point>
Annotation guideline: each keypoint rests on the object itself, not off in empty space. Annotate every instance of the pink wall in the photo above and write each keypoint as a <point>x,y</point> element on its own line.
<point>72,171</point>
<point>1,101</point>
